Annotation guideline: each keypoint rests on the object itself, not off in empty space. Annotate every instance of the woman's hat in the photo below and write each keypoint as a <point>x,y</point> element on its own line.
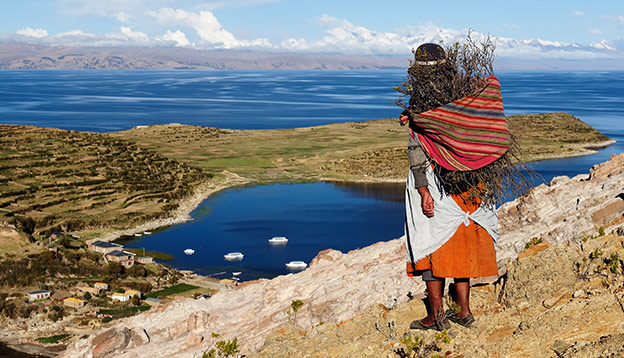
<point>429,54</point>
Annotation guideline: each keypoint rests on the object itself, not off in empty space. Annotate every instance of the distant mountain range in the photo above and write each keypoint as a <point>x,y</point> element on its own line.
<point>17,55</point>
<point>29,56</point>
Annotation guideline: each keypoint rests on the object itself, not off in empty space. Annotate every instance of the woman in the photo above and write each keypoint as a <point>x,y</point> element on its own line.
<point>451,222</point>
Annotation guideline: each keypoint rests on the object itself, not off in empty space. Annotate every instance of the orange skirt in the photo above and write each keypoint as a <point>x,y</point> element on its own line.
<point>468,253</point>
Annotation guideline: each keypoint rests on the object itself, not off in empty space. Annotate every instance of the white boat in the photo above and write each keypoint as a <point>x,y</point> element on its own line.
<point>189,251</point>
<point>296,265</point>
<point>237,273</point>
<point>233,256</point>
<point>147,232</point>
<point>138,234</point>
<point>278,240</point>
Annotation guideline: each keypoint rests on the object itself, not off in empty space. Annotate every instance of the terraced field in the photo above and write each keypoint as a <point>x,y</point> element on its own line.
<point>57,180</point>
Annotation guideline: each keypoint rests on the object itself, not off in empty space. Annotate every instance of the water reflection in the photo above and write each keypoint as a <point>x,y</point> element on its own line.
<point>393,192</point>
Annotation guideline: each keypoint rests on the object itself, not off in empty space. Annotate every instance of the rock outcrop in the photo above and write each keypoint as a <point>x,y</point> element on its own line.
<point>565,209</point>
<point>336,287</point>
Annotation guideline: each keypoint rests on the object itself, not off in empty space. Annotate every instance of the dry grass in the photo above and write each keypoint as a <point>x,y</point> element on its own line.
<point>373,150</point>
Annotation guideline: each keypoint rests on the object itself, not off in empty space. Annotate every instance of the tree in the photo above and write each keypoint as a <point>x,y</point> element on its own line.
<point>114,269</point>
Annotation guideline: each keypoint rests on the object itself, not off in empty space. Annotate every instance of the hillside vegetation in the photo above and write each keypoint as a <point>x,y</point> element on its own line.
<point>58,180</point>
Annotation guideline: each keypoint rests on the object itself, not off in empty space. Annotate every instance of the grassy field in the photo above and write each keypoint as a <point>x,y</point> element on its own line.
<point>173,290</point>
<point>125,312</point>
<point>52,339</point>
<point>362,151</point>
<point>57,180</point>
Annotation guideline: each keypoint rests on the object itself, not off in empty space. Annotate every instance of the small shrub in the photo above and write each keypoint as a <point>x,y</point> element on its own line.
<point>296,305</point>
<point>532,242</point>
<point>413,343</point>
<point>601,231</point>
<point>443,336</point>
<point>595,254</point>
<point>614,262</point>
<point>106,319</point>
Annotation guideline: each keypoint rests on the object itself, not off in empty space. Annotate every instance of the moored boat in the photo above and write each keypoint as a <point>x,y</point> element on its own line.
<point>278,240</point>
<point>296,265</point>
<point>233,256</point>
<point>189,251</point>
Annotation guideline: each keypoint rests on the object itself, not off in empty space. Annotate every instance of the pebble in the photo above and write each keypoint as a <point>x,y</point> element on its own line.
<point>549,302</point>
<point>579,293</point>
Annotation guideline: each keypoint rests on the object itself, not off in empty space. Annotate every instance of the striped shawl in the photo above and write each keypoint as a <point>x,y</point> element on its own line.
<point>468,133</point>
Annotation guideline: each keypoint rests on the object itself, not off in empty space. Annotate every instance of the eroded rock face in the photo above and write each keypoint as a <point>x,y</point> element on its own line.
<point>338,286</point>
<point>566,209</point>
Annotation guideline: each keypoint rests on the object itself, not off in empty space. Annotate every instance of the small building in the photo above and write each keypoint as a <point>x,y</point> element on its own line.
<point>101,285</point>
<point>86,288</point>
<point>121,297</point>
<point>145,260</point>
<point>39,295</point>
<point>104,247</point>
<point>132,293</point>
<point>126,259</point>
<point>52,248</point>
<point>74,302</point>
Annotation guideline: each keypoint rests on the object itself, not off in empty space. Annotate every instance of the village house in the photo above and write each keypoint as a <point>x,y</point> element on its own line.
<point>125,296</point>
<point>74,302</point>
<point>145,260</point>
<point>101,286</point>
<point>126,259</point>
<point>104,247</point>
<point>39,295</point>
<point>119,296</point>
<point>131,293</point>
<point>84,287</point>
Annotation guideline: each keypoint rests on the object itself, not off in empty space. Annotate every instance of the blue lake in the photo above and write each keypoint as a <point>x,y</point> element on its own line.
<point>314,216</point>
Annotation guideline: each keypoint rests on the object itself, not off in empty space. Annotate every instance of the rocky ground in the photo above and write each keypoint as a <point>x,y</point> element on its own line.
<point>564,300</point>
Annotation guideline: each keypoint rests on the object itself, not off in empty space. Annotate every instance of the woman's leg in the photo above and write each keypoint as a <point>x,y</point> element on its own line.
<point>434,296</point>
<point>462,288</point>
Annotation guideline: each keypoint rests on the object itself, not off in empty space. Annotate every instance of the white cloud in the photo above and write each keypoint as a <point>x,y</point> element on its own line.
<point>206,25</point>
<point>578,13</point>
<point>178,38</point>
<point>123,17</point>
<point>615,18</point>
<point>595,31</point>
<point>30,32</point>
<point>134,35</point>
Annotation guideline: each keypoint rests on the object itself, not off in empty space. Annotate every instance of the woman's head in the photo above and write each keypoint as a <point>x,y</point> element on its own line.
<point>429,55</point>
<point>432,74</point>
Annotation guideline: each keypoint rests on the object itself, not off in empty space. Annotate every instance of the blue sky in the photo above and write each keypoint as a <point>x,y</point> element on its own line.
<point>523,29</point>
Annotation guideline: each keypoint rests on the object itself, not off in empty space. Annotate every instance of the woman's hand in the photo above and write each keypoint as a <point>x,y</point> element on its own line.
<point>426,201</point>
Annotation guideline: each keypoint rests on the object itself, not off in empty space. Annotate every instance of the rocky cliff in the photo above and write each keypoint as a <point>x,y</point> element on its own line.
<point>338,290</point>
